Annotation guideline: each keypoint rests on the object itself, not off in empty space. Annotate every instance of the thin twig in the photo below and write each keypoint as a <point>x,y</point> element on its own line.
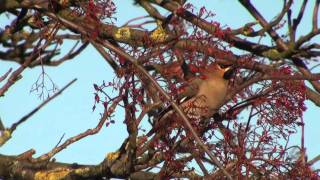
<point>263,22</point>
<point>17,73</point>
<point>315,16</point>
<point>60,140</point>
<point>27,116</point>
<point>105,56</point>
<point>5,75</point>
<point>134,19</point>
<point>2,128</point>
<point>70,55</point>
<point>297,21</point>
<point>106,114</point>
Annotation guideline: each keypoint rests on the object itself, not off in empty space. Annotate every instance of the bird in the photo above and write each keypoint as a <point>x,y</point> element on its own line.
<point>201,99</point>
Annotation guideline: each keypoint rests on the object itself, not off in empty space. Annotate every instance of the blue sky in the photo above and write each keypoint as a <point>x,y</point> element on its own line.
<point>71,113</point>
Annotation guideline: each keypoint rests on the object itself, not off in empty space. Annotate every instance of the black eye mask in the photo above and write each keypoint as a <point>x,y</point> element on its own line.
<point>228,74</point>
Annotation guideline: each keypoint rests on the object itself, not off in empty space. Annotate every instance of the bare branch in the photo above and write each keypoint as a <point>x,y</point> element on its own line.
<point>256,14</point>
<point>27,116</point>
<point>313,96</point>
<point>315,16</point>
<point>311,77</point>
<point>106,114</point>
<point>271,24</point>
<point>314,160</point>
<point>297,20</point>
<point>70,55</point>
<point>105,56</point>
<point>281,44</point>
<point>2,128</point>
<point>16,75</point>
<point>207,26</point>
<point>6,135</point>
<point>151,10</point>
<point>5,75</point>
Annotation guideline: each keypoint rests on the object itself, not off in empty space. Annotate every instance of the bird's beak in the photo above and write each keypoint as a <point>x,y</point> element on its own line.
<point>226,69</point>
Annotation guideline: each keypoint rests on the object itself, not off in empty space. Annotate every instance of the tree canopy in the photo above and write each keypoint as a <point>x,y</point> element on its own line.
<point>156,61</point>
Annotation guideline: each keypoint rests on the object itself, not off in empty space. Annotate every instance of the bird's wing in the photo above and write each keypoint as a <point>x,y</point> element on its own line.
<point>185,95</point>
<point>189,90</point>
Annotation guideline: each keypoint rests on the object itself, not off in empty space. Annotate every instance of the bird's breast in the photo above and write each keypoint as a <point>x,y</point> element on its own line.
<point>214,93</point>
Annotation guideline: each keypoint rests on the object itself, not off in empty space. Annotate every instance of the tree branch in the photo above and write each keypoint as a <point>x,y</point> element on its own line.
<point>6,135</point>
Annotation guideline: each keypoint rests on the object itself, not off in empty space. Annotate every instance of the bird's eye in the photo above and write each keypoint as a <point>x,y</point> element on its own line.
<point>225,66</point>
<point>228,73</point>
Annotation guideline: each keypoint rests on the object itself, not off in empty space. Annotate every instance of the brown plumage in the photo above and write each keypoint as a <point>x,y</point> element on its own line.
<point>202,98</point>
